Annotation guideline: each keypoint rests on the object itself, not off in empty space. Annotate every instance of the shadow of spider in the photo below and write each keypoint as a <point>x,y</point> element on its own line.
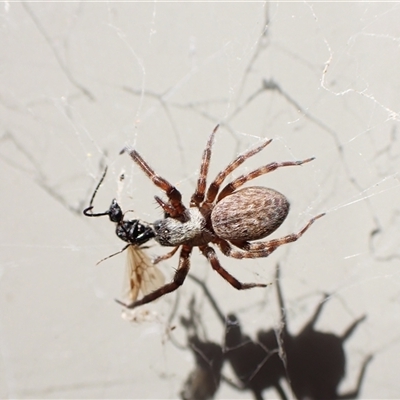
<point>312,362</point>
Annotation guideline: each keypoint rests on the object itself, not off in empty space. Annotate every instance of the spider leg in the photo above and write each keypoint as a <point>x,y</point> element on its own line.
<point>240,159</point>
<point>165,256</point>
<point>235,184</point>
<point>171,191</point>
<point>168,208</point>
<point>179,278</point>
<point>210,254</point>
<point>198,195</point>
<point>262,249</point>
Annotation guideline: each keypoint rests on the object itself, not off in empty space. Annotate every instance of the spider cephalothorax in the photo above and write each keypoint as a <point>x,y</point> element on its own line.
<point>191,230</point>
<point>233,216</point>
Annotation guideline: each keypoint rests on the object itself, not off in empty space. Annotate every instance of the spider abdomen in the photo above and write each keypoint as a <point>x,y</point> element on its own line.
<point>249,214</point>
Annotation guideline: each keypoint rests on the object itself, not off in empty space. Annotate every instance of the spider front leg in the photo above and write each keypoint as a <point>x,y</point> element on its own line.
<point>171,191</point>
<point>261,249</point>
<point>198,195</point>
<point>211,256</point>
<point>179,278</point>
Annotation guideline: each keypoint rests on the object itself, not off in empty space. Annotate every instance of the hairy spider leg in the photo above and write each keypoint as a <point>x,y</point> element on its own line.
<point>235,184</point>
<point>167,207</point>
<point>198,195</point>
<point>239,160</point>
<point>260,249</point>
<point>165,256</point>
<point>171,191</point>
<point>179,278</point>
<point>211,256</point>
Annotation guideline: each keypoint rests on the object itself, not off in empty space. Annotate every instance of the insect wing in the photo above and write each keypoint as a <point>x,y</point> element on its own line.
<point>142,275</point>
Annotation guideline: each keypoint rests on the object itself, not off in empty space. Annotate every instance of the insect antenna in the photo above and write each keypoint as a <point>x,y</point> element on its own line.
<point>115,254</point>
<point>88,211</point>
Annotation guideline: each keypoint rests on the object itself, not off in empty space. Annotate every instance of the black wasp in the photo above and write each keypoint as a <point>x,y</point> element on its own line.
<point>141,274</point>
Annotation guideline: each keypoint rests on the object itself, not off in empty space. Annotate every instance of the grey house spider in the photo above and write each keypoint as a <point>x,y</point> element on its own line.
<point>224,217</point>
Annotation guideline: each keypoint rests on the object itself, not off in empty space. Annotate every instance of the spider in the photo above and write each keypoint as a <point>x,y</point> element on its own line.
<point>233,216</point>
<point>141,274</point>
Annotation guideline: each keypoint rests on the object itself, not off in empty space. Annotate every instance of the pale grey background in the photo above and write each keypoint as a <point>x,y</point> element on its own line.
<point>80,80</point>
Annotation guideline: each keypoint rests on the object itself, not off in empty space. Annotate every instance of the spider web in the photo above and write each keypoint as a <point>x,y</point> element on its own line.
<point>80,80</point>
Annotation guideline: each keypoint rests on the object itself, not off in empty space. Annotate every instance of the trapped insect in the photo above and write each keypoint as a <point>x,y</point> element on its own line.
<point>233,216</point>
<point>141,274</point>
